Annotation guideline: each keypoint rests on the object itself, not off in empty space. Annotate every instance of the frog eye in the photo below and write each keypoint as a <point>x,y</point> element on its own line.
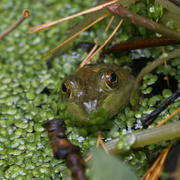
<point>111,80</point>
<point>66,89</point>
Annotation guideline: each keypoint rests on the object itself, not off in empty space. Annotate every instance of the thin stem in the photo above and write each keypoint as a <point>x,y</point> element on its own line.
<point>46,25</point>
<point>99,140</point>
<point>72,37</point>
<point>110,22</point>
<point>119,10</point>
<point>86,60</point>
<point>23,16</point>
<point>107,40</point>
<point>148,173</point>
<point>169,117</point>
<point>156,169</point>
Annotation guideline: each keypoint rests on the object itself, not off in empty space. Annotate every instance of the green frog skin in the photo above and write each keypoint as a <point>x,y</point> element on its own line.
<point>97,86</point>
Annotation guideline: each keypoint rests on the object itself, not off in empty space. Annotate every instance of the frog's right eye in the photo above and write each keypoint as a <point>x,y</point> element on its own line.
<point>66,89</point>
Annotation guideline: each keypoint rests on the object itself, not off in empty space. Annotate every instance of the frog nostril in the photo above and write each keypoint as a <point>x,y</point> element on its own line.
<point>99,100</point>
<point>85,90</point>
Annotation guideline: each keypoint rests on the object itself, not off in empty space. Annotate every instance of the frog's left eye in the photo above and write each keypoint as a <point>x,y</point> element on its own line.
<point>66,89</point>
<point>111,80</point>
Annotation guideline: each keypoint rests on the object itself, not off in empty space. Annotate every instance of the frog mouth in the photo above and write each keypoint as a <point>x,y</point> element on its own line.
<point>90,106</point>
<point>83,110</point>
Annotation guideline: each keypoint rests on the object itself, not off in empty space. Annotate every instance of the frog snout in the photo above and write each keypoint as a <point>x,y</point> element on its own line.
<point>90,106</point>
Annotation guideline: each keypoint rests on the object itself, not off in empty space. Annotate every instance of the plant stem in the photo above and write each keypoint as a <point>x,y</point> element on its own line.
<point>148,136</point>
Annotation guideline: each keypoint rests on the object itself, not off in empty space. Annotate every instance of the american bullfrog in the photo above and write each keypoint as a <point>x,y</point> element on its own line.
<point>97,86</point>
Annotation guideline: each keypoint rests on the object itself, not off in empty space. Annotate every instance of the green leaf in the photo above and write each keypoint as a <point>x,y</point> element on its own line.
<point>109,167</point>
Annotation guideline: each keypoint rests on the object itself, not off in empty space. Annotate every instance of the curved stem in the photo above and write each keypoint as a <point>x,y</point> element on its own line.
<point>150,67</point>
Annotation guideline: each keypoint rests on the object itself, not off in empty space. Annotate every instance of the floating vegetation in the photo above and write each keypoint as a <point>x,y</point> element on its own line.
<point>29,88</point>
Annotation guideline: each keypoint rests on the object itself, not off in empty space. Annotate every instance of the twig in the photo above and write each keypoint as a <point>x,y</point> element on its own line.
<point>119,10</point>
<point>24,15</point>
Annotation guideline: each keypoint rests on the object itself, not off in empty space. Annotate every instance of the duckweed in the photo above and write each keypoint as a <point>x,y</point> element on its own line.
<point>123,143</point>
<point>30,90</point>
<point>166,93</point>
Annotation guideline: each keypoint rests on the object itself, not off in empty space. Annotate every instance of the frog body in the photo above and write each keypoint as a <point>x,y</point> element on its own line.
<point>97,86</point>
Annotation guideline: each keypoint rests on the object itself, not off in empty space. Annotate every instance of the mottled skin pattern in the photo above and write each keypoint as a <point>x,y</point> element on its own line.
<point>88,90</point>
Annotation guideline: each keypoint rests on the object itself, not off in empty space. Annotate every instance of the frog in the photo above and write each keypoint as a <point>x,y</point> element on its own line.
<point>94,87</point>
